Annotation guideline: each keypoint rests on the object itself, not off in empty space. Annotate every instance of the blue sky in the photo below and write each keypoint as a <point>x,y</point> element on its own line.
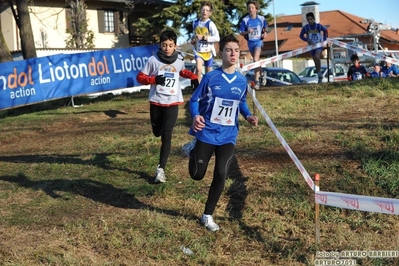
<point>383,11</point>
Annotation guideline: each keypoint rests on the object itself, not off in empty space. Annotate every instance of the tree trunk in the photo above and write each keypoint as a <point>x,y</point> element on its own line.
<point>5,55</point>
<point>25,30</point>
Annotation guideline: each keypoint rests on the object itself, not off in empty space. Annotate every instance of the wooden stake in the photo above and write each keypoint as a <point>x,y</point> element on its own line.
<point>317,210</point>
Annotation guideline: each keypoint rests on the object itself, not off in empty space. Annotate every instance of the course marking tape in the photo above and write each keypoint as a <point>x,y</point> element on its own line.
<point>294,158</point>
<point>334,199</point>
<point>315,46</point>
<point>283,56</point>
<point>364,51</point>
<point>340,200</point>
<point>358,202</point>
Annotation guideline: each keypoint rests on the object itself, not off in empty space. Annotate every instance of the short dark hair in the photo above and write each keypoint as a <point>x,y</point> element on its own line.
<point>207,3</point>
<point>168,35</point>
<point>225,39</point>
<point>354,57</point>
<point>255,3</point>
<point>310,14</point>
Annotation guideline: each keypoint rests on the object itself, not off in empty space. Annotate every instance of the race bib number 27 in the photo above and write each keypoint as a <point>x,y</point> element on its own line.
<point>171,83</point>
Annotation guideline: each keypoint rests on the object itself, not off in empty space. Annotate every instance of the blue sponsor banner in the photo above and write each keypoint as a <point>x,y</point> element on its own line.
<point>52,77</point>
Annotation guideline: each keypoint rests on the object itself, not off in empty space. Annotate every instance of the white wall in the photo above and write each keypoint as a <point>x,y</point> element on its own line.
<point>49,29</point>
<point>9,29</point>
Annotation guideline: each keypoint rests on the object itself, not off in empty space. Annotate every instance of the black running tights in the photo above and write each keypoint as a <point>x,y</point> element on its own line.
<point>199,159</point>
<point>163,120</point>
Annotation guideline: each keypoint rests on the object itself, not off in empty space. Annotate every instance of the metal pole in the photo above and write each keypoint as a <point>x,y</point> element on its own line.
<point>275,31</point>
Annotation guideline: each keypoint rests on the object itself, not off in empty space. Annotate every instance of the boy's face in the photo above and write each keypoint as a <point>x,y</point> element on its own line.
<point>355,62</point>
<point>251,8</point>
<point>310,20</point>
<point>206,12</point>
<point>230,53</point>
<point>168,47</point>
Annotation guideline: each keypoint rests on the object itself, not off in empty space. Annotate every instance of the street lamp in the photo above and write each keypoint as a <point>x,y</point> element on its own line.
<point>275,30</point>
<point>374,28</point>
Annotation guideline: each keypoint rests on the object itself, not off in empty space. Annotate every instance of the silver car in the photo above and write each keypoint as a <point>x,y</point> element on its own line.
<point>276,76</point>
<point>309,74</point>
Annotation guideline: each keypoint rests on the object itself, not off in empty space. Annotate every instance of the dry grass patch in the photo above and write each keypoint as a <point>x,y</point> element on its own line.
<point>76,184</point>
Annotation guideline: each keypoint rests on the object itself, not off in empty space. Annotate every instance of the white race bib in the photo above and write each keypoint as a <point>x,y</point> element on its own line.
<point>171,83</point>
<point>224,111</point>
<point>203,47</point>
<point>255,34</point>
<point>315,37</point>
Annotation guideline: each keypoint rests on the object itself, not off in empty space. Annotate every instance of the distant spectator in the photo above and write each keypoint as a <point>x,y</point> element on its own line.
<point>357,71</point>
<point>390,70</point>
<point>377,72</point>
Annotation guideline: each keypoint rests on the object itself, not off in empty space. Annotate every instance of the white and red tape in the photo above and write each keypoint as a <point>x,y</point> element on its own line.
<point>340,200</point>
<point>318,45</point>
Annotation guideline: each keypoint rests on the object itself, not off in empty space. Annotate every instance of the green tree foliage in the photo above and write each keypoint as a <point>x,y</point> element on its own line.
<point>179,17</point>
<point>80,36</point>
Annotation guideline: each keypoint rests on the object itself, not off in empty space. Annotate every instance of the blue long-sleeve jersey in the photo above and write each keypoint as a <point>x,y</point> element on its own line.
<point>219,98</point>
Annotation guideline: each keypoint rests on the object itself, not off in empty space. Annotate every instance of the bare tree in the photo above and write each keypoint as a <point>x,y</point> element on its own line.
<point>43,40</point>
<point>5,55</point>
<point>80,36</point>
<point>22,18</point>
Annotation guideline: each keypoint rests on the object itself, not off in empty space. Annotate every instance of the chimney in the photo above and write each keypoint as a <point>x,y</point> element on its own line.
<point>310,7</point>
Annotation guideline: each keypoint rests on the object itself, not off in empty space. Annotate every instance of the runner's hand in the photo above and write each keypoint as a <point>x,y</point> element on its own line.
<point>160,79</point>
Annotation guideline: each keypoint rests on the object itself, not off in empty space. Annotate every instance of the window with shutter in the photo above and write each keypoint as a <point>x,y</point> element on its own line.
<point>109,21</point>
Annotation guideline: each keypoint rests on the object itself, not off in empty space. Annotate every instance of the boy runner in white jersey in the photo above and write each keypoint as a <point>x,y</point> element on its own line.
<point>162,72</point>
<point>214,107</point>
<point>205,35</point>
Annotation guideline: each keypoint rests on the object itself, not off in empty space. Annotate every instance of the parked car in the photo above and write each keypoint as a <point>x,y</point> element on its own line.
<point>278,76</point>
<point>309,75</point>
<point>186,83</point>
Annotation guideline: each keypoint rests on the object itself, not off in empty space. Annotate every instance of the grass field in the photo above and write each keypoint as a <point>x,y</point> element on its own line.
<point>76,183</point>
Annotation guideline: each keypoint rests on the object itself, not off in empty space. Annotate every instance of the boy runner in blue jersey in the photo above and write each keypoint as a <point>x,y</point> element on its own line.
<point>205,35</point>
<point>254,28</point>
<point>311,33</point>
<point>214,107</point>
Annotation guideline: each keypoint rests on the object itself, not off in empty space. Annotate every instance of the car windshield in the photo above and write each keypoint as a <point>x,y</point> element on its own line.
<point>310,72</point>
<point>282,75</point>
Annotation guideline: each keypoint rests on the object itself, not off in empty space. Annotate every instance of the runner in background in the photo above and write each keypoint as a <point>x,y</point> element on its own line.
<point>313,33</point>
<point>205,35</point>
<point>254,28</point>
